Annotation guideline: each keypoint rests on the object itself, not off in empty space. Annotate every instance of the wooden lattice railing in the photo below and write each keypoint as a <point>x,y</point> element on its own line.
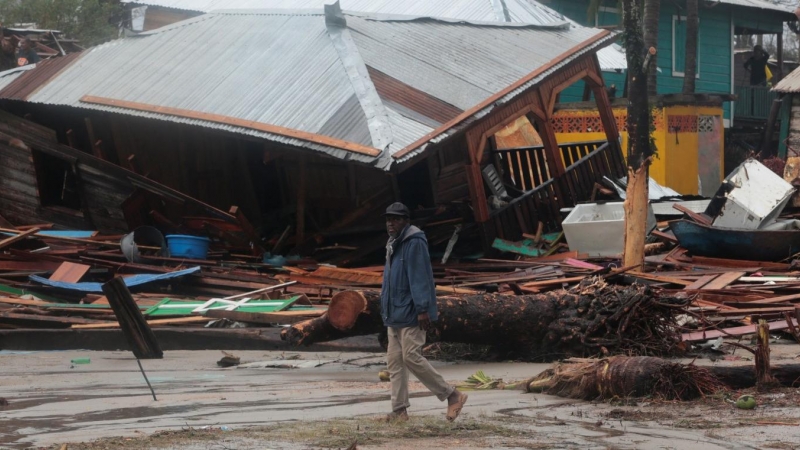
<point>544,202</point>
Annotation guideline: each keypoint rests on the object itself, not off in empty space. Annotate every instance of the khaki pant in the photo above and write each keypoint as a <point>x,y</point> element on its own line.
<point>404,355</point>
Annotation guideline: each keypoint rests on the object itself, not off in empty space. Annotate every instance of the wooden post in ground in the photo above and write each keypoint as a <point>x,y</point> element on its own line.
<point>138,334</point>
<point>764,378</point>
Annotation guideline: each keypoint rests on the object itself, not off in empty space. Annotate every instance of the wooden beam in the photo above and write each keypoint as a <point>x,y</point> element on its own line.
<point>266,318</point>
<point>554,160</point>
<point>249,230</point>
<point>496,97</point>
<point>724,280</point>
<point>8,241</point>
<point>234,121</point>
<point>480,207</point>
<point>552,93</point>
<point>604,108</point>
<point>138,334</point>
<point>156,322</point>
<point>302,192</point>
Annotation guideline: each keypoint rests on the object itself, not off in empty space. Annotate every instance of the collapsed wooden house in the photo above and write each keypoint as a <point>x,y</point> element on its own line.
<point>316,120</point>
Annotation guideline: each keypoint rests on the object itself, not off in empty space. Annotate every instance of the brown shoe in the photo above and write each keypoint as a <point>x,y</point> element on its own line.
<point>455,402</point>
<point>397,416</point>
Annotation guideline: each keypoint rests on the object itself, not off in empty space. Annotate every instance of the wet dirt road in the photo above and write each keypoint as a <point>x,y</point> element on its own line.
<point>52,401</point>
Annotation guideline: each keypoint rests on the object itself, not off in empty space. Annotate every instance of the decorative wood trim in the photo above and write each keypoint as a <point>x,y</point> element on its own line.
<point>605,110</point>
<point>234,121</point>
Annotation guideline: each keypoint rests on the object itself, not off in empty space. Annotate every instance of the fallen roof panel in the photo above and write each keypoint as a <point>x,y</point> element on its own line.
<point>304,80</point>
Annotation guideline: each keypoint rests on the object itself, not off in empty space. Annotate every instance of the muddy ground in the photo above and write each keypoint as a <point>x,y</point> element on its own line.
<point>336,399</point>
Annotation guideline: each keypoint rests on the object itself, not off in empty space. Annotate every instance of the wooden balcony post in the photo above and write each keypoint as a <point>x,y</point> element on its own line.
<point>595,80</point>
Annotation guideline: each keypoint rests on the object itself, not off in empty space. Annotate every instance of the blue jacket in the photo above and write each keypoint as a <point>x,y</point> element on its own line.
<point>408,287</point>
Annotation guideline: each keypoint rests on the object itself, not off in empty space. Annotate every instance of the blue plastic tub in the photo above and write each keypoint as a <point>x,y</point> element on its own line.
<point>185,246</point>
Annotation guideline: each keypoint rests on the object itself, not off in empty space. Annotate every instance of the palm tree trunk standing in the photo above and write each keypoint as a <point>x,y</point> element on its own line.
<point>652,10</point>
<point>690,67</point>
<point>640,146</point>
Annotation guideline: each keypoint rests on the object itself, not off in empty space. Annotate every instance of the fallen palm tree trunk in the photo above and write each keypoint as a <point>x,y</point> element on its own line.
<point>622,376</point>
<point>591,319</point>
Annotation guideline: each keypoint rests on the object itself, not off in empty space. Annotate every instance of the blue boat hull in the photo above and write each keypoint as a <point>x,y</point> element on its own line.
<point>754,245</point>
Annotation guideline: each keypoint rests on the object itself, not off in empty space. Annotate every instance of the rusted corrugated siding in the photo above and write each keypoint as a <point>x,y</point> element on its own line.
<point>790,83</point>
<point>396,91</point>
<point>29,82</point>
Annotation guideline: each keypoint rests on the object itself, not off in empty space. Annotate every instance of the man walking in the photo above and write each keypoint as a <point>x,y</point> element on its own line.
<point>408,308</point>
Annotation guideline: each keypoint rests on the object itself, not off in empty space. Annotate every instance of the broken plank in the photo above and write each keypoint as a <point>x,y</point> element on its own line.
<point>537,284</point>
<point>69,272</point>
<point>162,322</point>
<point>734,331</point>
<point>582,264</point>
<point>702,281</point>
<point>751,311</point>
<point>265,318</point>
<point>662,279</point>
<point>781,299</point>
<point>697,217</point>
<point>524,247</point>
<point>724,280</point>
<point>8,241</point>
<point>44,321</point>
<point>664,236</point>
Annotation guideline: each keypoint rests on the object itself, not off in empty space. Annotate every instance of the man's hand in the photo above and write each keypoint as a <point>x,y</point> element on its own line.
<point>424,322</point>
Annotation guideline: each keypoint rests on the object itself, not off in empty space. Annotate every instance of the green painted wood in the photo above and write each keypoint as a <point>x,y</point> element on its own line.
<point>170,307</point>
<point>14,291</point>
<point>521,248</point>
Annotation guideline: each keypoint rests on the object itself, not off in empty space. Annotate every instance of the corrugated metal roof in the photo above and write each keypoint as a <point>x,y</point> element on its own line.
<point>519,11</point>
<point>480,10</point>
<point>267,68</point>
<point>760,4</point>
<point>293,74</point>
<point>516,8</point>
<point>8,76</point>
<point>473,69</point>
<point>790,83</point>
<point>27,82</point>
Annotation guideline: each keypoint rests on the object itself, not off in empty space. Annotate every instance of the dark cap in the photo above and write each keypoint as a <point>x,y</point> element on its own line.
<point>397,209</point>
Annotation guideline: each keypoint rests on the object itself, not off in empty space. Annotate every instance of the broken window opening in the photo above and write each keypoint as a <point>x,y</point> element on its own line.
<point>57,181</point>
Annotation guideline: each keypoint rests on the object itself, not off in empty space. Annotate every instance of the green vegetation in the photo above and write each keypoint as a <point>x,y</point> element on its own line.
<point>91,22</point>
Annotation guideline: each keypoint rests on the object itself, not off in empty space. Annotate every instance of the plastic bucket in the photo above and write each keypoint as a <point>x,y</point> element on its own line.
<point>185,246</point>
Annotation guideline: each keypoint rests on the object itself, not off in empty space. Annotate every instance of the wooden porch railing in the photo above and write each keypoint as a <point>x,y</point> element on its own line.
<point>753,102</point>
<point>544,202</point>
<point>525,168</point>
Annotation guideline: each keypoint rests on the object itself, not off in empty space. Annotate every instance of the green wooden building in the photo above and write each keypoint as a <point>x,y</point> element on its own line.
<point>720,21</point>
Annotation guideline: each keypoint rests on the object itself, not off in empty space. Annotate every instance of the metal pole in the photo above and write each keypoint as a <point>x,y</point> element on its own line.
<point>145,379</point>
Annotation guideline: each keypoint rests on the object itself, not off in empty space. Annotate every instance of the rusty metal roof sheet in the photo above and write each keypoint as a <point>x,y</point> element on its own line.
<point>790,83</point>
<point>21,86</point>
<point>299,76</point>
